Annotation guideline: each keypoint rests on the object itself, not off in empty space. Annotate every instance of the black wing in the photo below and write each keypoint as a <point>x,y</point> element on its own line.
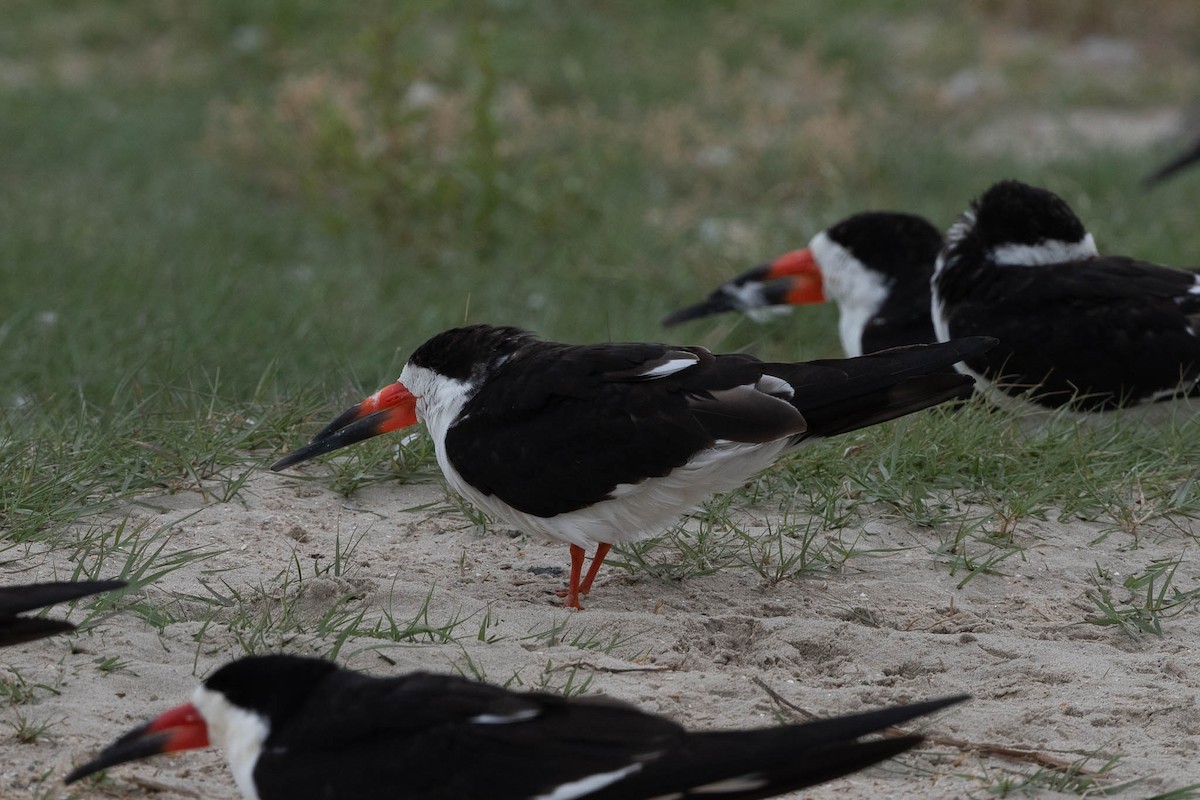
<point>444,738</point>
<point>559,426</point>
<point>1107,331</point>
<point>561,433</point>
<point>27,597</point>
<point>1184,159</point>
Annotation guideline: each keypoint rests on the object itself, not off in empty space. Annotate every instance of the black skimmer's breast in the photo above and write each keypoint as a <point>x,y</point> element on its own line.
<point>299,729</point>
<point>15,600</point>
<point>1075,328</point>
<point>593,445</point>
<point>875,265</point>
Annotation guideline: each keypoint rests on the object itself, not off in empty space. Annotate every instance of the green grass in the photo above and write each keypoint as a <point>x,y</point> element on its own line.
<point>223,221</point>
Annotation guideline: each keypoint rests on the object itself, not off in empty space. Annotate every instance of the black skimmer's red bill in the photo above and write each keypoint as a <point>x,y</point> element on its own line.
<point>298,728</point>
<point>17,599</point>
<point>875,265</point>
<point>595,445</point>
<point>1177,164</point>
<point>1076,329</point>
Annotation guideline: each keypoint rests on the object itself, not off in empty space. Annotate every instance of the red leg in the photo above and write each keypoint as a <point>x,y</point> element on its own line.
<point>598,559</point>
<point>577,554</point>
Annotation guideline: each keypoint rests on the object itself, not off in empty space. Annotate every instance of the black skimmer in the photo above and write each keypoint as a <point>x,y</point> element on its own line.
<point>300,728</point>
<point>595,445</point>
<point>17,599</point>
<point>1076,329</point>
<point>875,265</point>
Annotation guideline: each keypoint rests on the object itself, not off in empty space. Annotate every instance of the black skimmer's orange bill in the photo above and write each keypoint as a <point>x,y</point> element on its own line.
<point>1076,329</point>
<point>875,265</point>
<point>595,445</point>
<point>15,600</point>
<point>298,728</point>
<point>1177,164</point>
<point>762,291</point>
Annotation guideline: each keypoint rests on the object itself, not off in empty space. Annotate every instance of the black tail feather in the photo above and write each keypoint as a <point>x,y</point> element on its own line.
<point>745,765</point>
<point>882,386</point>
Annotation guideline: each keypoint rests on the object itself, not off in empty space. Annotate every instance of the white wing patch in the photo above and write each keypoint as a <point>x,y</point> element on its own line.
<point>585,786</point>
<point>1051,251</point>
<point>1195,286</point>
<point>504,719</point>
<point>681,362</point>
<point>742,783</point>
<point>774,386</point>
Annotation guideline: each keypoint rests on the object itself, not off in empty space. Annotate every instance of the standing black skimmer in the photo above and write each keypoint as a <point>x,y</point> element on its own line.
<point>1076,329</point>
<point>876,266</point>
<point>17,599</point>
<point>298,728</point>
<point>601,444</point>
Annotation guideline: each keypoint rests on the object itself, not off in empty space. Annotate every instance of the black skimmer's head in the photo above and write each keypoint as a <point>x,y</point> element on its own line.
<point>875,265</point>
<point>300,728</point>
<point>1075,328</point>
<point>17,599</point>
<point>761,291</point>
<point>593,445</point>
<point>1018,225</point>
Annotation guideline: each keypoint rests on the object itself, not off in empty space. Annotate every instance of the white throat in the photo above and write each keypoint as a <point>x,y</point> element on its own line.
<point>237,732</point>
<point>439,399</point>
<point>859,292</point>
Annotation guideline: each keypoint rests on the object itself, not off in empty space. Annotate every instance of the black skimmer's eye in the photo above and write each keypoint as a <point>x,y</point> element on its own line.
<point>180,728</point>
<point>391,408</point>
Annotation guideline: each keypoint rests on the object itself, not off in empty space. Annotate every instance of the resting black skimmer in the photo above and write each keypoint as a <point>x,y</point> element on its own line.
<point>595,445</point>
<point>875,265</point>
<point>1076,329</point>
<point>297,728</point>
<point>26,597</point>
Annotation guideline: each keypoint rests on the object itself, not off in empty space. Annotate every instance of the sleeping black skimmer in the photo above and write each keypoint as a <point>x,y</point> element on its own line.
<point>1076,329</point>
<point>596,445</point>
<point>297,728</point>
<point>875,265</point>
<point>26,597</point>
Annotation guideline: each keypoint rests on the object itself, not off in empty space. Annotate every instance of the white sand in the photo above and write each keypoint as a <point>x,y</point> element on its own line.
<point>1041,677</point>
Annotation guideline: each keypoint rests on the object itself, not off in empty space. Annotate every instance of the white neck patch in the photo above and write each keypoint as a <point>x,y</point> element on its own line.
<point>1047,252</point>
<point>237,732</point>
<point>858,291</point>
<point>439,399</point>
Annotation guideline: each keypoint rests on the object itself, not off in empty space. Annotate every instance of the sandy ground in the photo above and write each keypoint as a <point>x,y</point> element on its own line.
<point>886,629</point>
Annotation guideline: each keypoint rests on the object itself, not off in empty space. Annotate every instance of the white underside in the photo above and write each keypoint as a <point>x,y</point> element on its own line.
<point>636,511</point>
<point>235,731</point>
<point>858,291</point>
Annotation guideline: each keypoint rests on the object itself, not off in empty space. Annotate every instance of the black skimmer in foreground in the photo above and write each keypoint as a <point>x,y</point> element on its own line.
<point>875,265</point>
<point>595,445</point>
<point>297,728</point>
<point>1076,329</point>
<point>17,599</point>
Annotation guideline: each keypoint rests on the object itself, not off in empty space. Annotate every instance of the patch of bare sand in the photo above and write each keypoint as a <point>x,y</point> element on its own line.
<point>890,628</point>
